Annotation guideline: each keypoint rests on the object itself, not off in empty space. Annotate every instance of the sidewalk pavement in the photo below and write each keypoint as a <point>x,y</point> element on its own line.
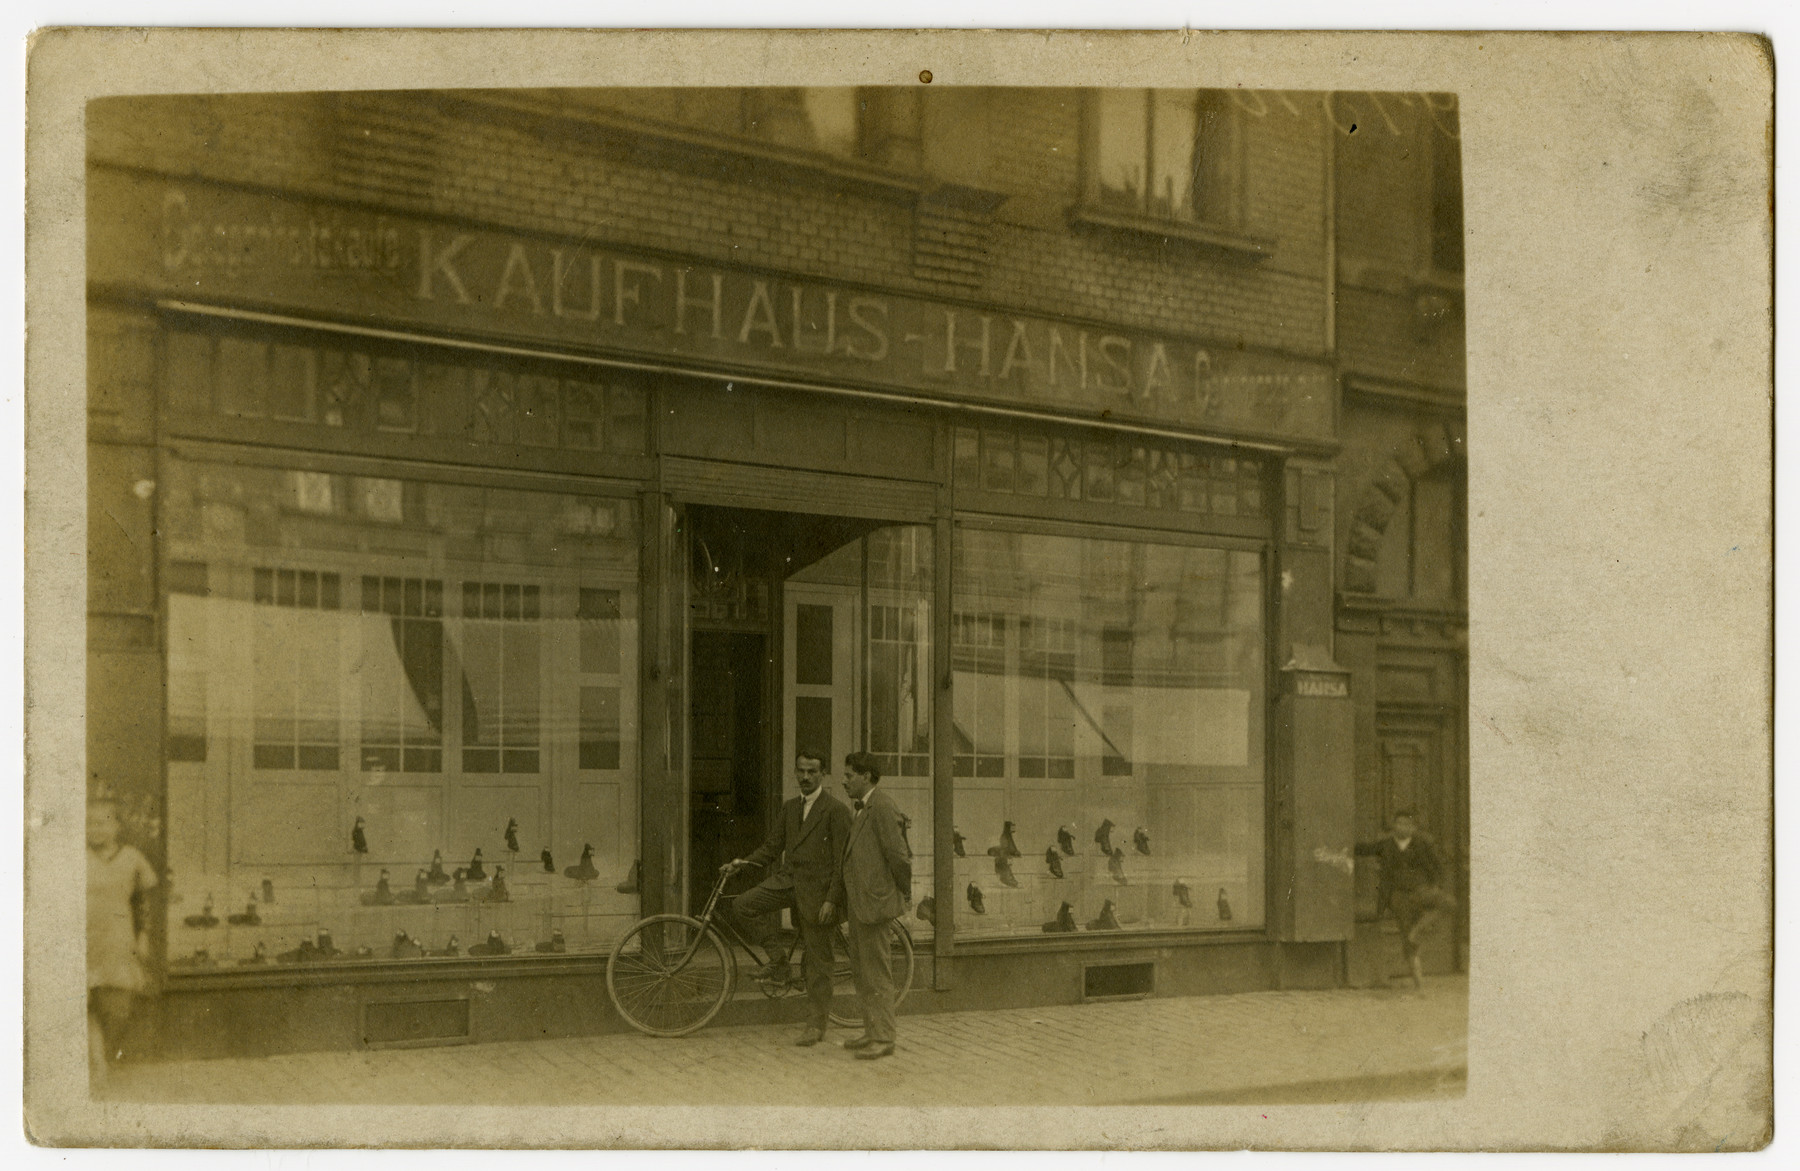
<point>1250,1048</point>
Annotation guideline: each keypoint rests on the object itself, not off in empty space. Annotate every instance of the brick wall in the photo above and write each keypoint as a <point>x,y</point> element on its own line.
<point>454,156</point>
<point>1394,321</point>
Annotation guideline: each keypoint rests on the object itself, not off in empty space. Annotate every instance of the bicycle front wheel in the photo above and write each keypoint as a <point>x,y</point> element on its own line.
<point>669,975</point>
<point>846,1006</point>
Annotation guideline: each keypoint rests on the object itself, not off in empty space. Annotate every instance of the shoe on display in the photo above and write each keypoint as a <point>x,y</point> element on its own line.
<point>1182,894</point>
<point>477,871</point>
<point>1053,862</point>
<point>1224,907</point>
<point>583,871</point>
<point>548,861</point>
<point>512,834</point>
<point>1141,839</point>
<point>1116,864</point>
<point>452,948</point>
<point>959,844</point>
<point>927,910</point>
<point>497,893</point>
<point>1105,920</point>
<point>436,876</point>
<point>205,918</point>
<point>633,880</point>
<point>268,887</point>
<point>359,841</point>
<point>1065,840</point>
<point>259,956</point>
<point>1007,848</point>
<point>1103,836</point>
<point>1064,921</point>
<point>976,902</point>
<point>249,918</point>
<point>420,893</point>
<point>382,895</point>
<point>1004,869</point>
<point>495,946</point>
<point>555,945</point>
<point>406,947</point>
<point>323,945</point>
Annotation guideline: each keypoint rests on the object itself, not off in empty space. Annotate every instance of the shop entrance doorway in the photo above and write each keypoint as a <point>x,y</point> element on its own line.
<point>752,651</point>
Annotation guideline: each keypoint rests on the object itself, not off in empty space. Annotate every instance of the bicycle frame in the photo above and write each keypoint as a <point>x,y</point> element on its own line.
<point>721,925</point>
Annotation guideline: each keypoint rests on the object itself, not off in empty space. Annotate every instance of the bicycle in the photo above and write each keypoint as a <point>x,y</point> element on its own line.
<point>671,974</point>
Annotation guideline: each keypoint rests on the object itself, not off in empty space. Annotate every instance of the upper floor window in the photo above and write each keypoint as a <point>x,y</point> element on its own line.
<point>825,120</point>
<point>1166,154</point>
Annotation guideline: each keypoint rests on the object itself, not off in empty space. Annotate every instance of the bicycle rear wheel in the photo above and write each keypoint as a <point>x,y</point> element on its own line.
<point>846,1006</point>
<point>669,975</point>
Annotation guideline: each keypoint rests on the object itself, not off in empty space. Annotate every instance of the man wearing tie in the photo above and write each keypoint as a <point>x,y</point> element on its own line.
<point>803,853</point>
<point>877,881</point>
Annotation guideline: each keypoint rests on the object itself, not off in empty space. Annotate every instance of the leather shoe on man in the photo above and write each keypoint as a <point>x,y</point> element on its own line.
<point>874,1051</point>
<point>810,1037</point>
<point>859,1042</point>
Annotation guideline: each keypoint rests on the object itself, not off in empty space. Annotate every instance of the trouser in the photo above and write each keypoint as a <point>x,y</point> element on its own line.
<point>756,911</point>
<point>1417,910</point>
<point>871,960</point>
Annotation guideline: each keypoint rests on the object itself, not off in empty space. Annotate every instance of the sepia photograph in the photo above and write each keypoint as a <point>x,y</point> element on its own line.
<point>691,595</point>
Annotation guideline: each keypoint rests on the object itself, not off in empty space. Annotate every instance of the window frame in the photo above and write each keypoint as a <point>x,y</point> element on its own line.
<point>1264,548</point>
<point>1226,233</point>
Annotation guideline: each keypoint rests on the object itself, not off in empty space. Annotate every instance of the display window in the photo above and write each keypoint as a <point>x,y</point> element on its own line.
<point>1109,760</point>
<point>402,717</point>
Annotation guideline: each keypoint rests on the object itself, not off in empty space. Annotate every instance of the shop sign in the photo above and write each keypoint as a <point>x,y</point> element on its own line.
<point>216,244</point>
<point>1317,686</point>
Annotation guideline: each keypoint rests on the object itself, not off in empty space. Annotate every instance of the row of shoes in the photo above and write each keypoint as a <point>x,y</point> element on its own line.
<point>248,918</point>
<point>1065,843</point>
<point>927,909</point>
<point>1106,920</point>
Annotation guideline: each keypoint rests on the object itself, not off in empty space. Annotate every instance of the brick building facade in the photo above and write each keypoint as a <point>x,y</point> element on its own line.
<point>534,472</point>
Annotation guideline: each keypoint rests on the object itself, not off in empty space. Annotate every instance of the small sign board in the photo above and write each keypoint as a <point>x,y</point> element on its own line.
<point>1318,685</point>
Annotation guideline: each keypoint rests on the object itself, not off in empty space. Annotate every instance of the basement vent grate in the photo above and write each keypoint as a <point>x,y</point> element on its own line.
<point>1118,981</point>
<point>401,1024</point>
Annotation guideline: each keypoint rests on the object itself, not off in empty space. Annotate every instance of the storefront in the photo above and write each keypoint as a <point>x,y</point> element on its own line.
<point>502,576</point>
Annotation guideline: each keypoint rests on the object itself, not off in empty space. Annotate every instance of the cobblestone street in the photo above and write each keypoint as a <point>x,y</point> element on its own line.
<point>1264,1047</point>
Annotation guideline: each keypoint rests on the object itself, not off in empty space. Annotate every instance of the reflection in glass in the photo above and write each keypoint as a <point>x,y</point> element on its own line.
<point>1107,711</point>
<point>313,696</point>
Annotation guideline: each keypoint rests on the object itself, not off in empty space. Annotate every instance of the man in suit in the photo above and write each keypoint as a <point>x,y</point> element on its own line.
<point>803,855</point>
<point>1411,884</point>
<point>878,885</point>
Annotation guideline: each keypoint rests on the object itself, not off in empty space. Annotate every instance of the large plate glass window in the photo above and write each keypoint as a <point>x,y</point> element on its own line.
<point>1108,711</point>
<point>402,718</point>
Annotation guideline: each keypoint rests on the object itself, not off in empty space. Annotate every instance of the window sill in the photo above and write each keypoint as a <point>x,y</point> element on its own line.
<point>1203,235</point>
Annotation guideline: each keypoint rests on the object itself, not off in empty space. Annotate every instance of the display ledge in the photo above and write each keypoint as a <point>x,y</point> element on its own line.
<point>1240,244</point>
<point>1140,938</point>
<point>377,971</point>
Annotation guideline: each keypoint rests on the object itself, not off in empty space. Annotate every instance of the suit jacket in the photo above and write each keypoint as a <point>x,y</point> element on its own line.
<point>1418,865</point>
<point>806,855</point>
<point>877,861</point>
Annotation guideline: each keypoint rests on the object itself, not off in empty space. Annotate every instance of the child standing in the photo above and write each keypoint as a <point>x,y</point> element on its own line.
<point>118,877</point>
